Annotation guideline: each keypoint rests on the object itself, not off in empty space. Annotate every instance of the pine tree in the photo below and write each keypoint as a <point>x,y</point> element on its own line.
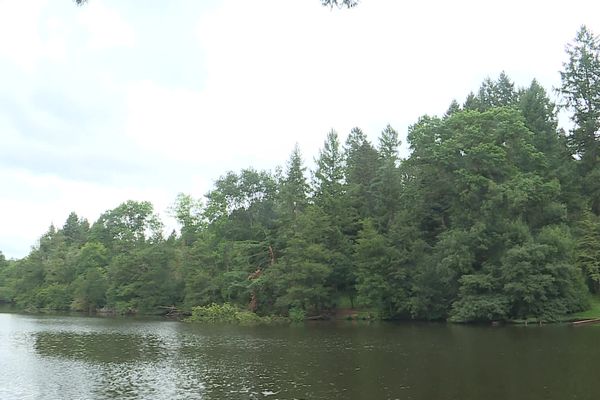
<point>580,91</point>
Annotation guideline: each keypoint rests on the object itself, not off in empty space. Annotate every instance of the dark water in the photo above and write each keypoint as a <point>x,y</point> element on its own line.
<point>50,357</point>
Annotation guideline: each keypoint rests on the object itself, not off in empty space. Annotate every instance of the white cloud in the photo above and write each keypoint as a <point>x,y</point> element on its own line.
<point>106,27</point>
<point>35,201</point>
<point>114,101</point>
<point>21,43</point>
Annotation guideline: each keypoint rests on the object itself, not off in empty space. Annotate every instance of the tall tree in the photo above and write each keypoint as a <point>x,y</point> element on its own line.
<point>387,183</point>
<point>580,91</point>
<point>188,212</point>
<point>329,175</point>
<point>292,201</point>
<point>300,278</point>
<point>588,250</point>
<point>294,190</point>
<point>498,93</point>
<point>361,164</point>
<point>330,196</point>
<point>75,230</point>
<point>388,144</point>
<point>130,224</point>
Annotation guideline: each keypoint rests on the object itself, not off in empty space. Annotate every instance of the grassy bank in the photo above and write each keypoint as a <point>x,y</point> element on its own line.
<point>592,313</point>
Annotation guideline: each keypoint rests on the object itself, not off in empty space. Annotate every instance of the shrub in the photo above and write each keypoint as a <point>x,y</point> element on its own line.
<point>227,313</point>
<point>297,314</point>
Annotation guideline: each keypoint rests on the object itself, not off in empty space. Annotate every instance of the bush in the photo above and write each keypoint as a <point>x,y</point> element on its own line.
<point>227,313</point>
<point>297,314</point>
<point>53,297</point>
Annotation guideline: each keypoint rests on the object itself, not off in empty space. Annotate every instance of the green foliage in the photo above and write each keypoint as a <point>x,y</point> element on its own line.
<point>75,230</point>
<point>299,278</point>
<point>581,89</point>
<point>380,275</point>
<point>492,94</point>
<point>130,224</point>
<point>580,92</point>
<point>329,175</point>
<point>297,314</point>
<point>53,297</point>
<point>592,311</point>
<point>492,216</point>
<point>142,279</point>
<point>588,250</point>
<point>226,313</point>
<point>188,213</point>
<point>6,293</point>
<point>540,278</point>
<point>332,3</point>
<point>90,290</point>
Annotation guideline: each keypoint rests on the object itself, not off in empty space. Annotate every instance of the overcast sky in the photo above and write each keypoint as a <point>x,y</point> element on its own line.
<point>123,100</point>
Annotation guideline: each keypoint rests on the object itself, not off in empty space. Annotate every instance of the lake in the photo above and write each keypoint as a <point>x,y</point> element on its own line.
<point>70,357</point>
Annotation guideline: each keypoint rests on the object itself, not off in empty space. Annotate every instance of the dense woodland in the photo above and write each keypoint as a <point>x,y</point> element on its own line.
<point>493,216</point>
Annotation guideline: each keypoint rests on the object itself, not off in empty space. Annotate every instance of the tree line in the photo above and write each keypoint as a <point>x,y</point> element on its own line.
<point>494,215</point>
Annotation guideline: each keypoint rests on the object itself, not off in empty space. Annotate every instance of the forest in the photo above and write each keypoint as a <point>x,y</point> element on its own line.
<point>494,215</point>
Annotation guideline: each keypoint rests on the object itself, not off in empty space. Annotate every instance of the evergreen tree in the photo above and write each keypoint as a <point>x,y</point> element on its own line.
<point>387,183</point>
<point>329,175</point>
<point>299,279</point>
<point>294,190</point>
<point>588,250</point>
<point>580,91</point>
<point>498,93</point>
<point>361,164</point>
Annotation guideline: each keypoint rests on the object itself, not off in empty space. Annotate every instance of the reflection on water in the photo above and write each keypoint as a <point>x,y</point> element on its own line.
<point>98,346</point>
<point>44,357</point>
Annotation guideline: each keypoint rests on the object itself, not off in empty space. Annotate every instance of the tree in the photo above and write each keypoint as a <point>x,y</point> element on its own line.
<point>337,3</point>
<point>90,290</point>
<point>580,92</point>
<point>540,279</point>
<point>141,279</point>
<point>388,145</point>
<point>480,182</point>
<point>329,175</point>
<point>202,264</point>
<point>5,284</point>
<point>540,115</point>
<point>188,212</point>
<point>498,93</point>
<point>299,279</point>
<point>361,164</point>
<point>75,230</point>
<point>131,223</point>
<point>387,184</point>
<point>294,189</point>
<point>454,107</point>
<point>291,202</point>
<point>380,280</point>
<point>588,250</point>
<point>331,197</point>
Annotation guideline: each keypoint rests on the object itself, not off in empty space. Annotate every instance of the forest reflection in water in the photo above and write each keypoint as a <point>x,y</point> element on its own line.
<point>44,357</point>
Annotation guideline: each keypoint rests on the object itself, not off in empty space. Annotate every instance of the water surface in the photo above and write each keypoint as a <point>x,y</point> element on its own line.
<point>66,357</point>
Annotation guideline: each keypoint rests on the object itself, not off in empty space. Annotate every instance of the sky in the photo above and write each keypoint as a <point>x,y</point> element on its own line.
<point>127,100</point>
